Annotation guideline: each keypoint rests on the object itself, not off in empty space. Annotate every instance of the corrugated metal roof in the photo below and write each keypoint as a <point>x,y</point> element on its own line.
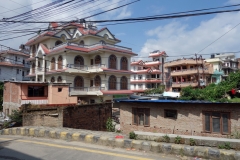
<point>171,101</point>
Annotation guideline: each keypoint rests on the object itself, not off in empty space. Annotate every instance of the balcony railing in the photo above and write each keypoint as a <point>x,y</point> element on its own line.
<point>42,101</point>
<point>86,89</point>
<point>85,67</point>
<point>92,46</point>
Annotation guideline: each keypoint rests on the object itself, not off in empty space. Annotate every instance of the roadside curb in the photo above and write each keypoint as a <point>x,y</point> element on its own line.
<point>147,146</point>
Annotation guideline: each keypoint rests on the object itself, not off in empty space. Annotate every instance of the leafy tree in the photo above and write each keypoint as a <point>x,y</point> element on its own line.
<point>212,92</point>
<point>158,90</point>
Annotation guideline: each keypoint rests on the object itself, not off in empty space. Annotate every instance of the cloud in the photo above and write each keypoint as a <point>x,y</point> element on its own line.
<point>177,38</point>
<point>82,11</point>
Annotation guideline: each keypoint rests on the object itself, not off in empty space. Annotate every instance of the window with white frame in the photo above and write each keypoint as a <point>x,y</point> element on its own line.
<point>139,76</point>
<point>140,86</point>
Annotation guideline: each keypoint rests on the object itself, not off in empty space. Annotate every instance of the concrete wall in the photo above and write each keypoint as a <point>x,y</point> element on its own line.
<point>189,119</point>
<point>91,117</point>
<point>11,97</point>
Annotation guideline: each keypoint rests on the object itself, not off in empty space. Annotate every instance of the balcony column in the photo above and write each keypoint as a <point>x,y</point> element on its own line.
<point>36,70</point>
<point>43,76</point>
<point>181,77</point>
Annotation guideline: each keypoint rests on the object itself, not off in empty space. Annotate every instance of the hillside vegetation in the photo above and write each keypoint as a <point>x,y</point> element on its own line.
<point>213,92</point>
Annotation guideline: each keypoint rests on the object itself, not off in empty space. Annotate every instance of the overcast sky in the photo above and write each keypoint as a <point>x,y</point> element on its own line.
<point>185,36</point>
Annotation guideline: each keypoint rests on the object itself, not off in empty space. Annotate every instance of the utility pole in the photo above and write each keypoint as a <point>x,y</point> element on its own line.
<point>203,71</point>
<point>197,72</point>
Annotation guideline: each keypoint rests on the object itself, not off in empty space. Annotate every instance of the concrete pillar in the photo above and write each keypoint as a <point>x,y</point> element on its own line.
<point>36,70</point>
<point>43,76</point>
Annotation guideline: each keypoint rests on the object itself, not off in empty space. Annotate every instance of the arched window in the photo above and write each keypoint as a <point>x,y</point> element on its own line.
<point>112,62</point>
<point>33,51</point>
<point>53,64</point>
<point>78,82</point>
<point>124,63</point>
<point>106,36</point>
<point>124,83</point>
<point>77,35</point>
<point>78,61</point>
<point>59,79</point>
<point>112,82</point>
<point>58,42</point>
<point>33,68</point>
<point>81,43</point>
<point>53,79</point>
<point>60,66</point>
<point>102,42</point>
<point>97,81</point>
<point>63,37</point>
<point>39,64</point>
<point>98,59</point>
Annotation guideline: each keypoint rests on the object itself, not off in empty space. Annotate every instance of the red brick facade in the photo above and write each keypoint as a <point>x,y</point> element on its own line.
<point>189,121</point>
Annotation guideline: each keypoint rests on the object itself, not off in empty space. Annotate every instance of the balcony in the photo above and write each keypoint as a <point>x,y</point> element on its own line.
<point>147,80</point>
<point>7,62</point>
<point>41,101</point>
<point>75,91</point>
<point>189,71</point>
<point>180,62</point>
<point>76,68</point>
<point>184,84</point>
<point>89,48</point>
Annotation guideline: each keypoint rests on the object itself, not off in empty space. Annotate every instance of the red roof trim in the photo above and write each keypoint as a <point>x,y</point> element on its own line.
<point>117,92</point>
<point>115,70</point>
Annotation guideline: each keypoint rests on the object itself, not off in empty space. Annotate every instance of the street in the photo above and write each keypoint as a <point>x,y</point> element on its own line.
<point>19,148</point>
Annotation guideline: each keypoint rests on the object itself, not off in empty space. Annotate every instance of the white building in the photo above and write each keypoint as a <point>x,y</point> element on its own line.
<point>13,65</point>
<point>149,74</point>
<point>86,57</point>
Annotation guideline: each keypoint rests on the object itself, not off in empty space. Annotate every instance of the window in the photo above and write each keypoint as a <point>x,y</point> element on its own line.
<point>58,42</point>
<point>170,113</point>
<point>141,116</point>
<point>17,71</point>
<point>112,62</point>
<point>23,73</point>
<point>102,42</point>
<point>124,83</point>
<point>97,81</point>
<point>78,82</point>
<point>92,101</point>
<point>53,79</point>
<point>78,61</point>
<point>134,77</point>
<point>97,59</point>
<point>81,43</point>
<point>112,82</point>
<point>59,89</point>
<point>33,51</point>
<point>23,61</point>
<point>53,64</point>
<point>35,91</point>
<point>140,86</point>
<point>139,76</point>
<point>124,63</point>
<point>59,79</point>
<point>60,62</point>
<point>216,122</point>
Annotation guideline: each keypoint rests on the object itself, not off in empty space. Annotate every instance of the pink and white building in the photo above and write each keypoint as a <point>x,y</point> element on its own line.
<point>83,56</point>
<point>148,74</point>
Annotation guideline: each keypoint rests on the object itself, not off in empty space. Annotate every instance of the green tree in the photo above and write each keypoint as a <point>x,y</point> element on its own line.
<point>212,92</point>
<point>158,90</point>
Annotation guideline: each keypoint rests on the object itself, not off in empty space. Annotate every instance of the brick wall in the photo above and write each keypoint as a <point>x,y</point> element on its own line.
<point>189,119</point>
<point>92,117</point>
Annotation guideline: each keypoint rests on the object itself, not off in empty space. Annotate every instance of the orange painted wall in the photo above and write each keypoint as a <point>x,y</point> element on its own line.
<point>56,97</point>
<point>24,92</point>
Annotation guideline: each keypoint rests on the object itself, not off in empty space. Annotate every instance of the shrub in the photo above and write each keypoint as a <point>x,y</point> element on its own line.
<point>166,138</point>
<point>192,142</point>
<point>132,135</point>
<point>109,125</point>
<point>178,140</point>
<point>226,145</point>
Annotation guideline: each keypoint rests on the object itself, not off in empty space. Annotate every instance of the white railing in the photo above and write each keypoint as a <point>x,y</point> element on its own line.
<point>41,101</point>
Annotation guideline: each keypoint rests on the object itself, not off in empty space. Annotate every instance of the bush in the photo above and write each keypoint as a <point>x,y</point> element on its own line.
<point>166,138</point>
<point>226,145</point>
<point>109,125</point>
<point>132,135</point>
<point>178,140</point>
<point>16,116</point>
<point>192,142</point>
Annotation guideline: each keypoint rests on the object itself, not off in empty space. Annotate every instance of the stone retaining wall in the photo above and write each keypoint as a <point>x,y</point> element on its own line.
<point>148,146</point>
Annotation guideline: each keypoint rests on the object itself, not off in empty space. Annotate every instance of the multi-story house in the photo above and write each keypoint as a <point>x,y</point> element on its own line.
<point>230,63</point>
<point>83,56</point>
<point>148,74</point>
<point>217,72</point>
<point>13,65</point>
<point>188,72</point>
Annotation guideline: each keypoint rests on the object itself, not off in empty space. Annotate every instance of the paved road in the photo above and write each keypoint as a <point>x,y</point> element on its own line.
<point>18,148</point>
